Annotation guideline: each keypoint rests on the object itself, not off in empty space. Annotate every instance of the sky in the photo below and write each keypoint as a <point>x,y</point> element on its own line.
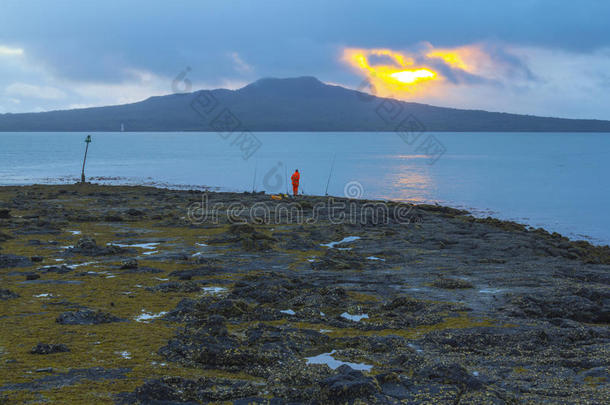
<point>549,58</point>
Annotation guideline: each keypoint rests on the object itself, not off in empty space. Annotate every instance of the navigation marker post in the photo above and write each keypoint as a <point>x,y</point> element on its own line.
<point>87,141</point>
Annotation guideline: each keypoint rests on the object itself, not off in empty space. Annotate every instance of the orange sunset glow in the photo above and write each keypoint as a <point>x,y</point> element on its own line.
<point>400,74</point>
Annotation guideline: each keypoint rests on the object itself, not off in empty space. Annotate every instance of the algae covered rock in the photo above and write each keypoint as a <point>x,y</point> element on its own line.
<point>129,264</point>
<point>347,385</point>
<point>46,348</point>
<point>86,317</point>
<point>88,247</point>
<point>174,390</point>
<point>174,286</point>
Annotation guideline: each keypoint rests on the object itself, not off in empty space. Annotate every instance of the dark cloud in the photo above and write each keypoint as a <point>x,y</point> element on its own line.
<point>98,40</point>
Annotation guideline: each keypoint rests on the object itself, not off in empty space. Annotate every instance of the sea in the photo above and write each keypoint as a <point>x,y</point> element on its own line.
<point>557,181</point>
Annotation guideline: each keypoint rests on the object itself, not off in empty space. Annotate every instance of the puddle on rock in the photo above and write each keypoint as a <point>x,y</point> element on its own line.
<point>344,240</point>
<point>330,361</point>
<point>355,318</point>
<point>124,354</point>
<point>491,290</point>
<point>146,246</point>
<point>146,317</point>
<point>213,290</point>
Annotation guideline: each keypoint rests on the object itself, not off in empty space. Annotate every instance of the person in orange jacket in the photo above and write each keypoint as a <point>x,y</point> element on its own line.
<point>295,182</point>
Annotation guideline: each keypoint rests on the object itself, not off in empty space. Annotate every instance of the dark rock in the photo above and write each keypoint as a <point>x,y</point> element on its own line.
<point>250,238</point>
<point>9,260</point>
<point>208,261</point>
<point>406,304</point>
<point>284,339</point>
<point>86,243</point>
<point>183,311</point>
<point>267,288</point>
<point>46,348</point>
<point>88,247</point>
<point>32,276</point>
<point>378,344</point>
<point>335,259</point>
<point>37,242</point>
<point>174,286</point>
<point>178,390</point>
<point>294,241</point>
<point>240,229</point>
<point>71,377</point>
<point>190,273</point>
<point>450,374</point>
<point>56,269</point>
<point>144,270</point>
<point>5,213</point>
<point>36,259</point>
<point>346,385</point>
<point>199,347</point>
<point>170,256</point>
<point>86,317</point>
<point>580,305</point>
<point>7,294</point>
<point>129,264</point>
<point>229,307</point>
<point>133,212</point>
<point>451,283</point>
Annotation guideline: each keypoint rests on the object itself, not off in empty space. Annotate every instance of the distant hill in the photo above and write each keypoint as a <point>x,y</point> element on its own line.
<point>296,104</point>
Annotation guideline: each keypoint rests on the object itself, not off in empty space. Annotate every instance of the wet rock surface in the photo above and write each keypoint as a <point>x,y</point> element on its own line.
<point>432,307</point>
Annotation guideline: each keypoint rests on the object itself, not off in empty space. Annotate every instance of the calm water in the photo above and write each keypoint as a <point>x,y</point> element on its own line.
<point>557,181</point>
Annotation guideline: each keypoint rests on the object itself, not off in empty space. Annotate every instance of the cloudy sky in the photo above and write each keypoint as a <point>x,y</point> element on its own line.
<point>547,58</point>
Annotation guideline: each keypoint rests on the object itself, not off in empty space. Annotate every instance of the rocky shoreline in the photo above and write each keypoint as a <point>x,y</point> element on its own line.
<point>112,294</point>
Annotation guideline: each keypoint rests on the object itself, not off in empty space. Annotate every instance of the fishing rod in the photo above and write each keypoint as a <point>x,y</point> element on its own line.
<point>254,180</point>
<point>286,179</point>
<point>332,166</point>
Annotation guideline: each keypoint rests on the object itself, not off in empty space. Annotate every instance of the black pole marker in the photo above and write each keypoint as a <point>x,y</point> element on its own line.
<point>87,141</point>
